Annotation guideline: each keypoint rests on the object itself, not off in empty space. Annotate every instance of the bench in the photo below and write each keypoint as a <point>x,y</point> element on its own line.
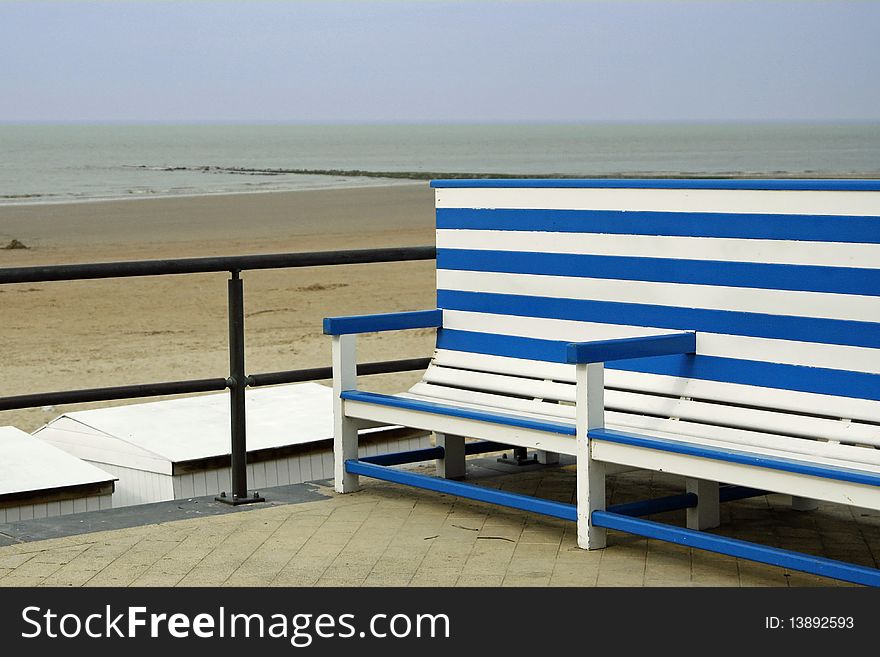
<point>722,330</point>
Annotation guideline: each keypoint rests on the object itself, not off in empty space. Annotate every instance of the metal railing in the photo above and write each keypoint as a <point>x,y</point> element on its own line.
<point>238,380</point>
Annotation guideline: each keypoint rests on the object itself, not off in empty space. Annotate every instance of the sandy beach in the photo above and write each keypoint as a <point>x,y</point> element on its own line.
<point>81,334</point>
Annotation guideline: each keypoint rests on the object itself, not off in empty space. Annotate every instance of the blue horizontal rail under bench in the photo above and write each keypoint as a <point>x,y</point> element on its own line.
<point>621,518</point>
<point>740,549</point>
<point>469,491</point>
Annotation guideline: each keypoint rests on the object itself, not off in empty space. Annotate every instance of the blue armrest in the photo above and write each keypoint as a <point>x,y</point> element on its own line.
<point>599,351</point>
<point>383,322</point>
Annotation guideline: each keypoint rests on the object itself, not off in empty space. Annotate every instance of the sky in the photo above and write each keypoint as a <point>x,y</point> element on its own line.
<point>261,61</point>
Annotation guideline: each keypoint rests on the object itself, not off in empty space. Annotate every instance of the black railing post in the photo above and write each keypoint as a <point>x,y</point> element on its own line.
<point>237,383</point>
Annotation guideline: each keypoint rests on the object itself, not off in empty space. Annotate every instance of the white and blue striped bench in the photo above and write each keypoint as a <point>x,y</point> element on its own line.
<point>725,331</point>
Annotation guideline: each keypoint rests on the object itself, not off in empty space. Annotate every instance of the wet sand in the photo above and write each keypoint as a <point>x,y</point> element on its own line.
<point>81,334</point>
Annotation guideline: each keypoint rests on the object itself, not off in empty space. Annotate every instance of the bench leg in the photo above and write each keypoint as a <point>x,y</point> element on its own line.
<point>590,497</point>
<point>803,503</point>
<point>452,465</point>
<point>590,473</point>
<point>345,435</point>
<point>707,513</point>
<point>548,458</point>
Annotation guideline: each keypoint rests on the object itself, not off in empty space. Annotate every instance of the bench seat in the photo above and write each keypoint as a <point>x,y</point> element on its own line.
<point>621,445</point>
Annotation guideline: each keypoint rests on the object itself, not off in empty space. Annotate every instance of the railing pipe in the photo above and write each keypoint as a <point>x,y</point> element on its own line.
<point>74,272</point>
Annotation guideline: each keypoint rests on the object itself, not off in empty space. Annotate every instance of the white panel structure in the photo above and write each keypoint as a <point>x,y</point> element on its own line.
<point>179,448</point>
<point>38,480</point>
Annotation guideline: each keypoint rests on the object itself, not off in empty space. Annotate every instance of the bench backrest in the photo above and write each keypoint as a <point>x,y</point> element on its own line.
<point>780,280</point>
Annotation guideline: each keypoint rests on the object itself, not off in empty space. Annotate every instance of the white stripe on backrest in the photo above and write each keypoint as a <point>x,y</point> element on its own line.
<point>500,383</point>
<point>811,354</point>
<point>539,327</point>
<point>666,200</point>
<point>716,297</point>
<point>722,249</point>
<point>662,427</point>
<point>795,401</point>
<point>535,409</point>
<point>503,364</point>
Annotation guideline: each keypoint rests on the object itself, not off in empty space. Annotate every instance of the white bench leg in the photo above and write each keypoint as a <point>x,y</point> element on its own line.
<point>590,473</point>
<point>803,503</point>
<point>345,435</point>
<point>547,458</point>
<point>452,465</point>
<point>707,513</point>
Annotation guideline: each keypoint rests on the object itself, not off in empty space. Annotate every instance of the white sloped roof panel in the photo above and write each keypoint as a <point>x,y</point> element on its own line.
<point>189,428</point>
<point>29,464</point>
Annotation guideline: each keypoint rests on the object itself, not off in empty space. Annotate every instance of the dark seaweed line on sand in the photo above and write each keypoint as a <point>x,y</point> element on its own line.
<point>457,175</point>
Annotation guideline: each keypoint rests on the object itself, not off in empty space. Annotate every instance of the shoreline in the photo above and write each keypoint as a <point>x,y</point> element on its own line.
<point>14,203</point>
<point>404,178</point>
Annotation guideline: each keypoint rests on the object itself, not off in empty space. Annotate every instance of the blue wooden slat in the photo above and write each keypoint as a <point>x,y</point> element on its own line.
<point>661,183</point>
<point>758,325</point>
<point>429,453</point>
<point>383,322</point>
<point>808,278</point>
<point>601,351</point>
<point>843,383</point>
<point>736,548</point>
<point>401,458</point>
<point>657,505</point>
<point>794,466</point>
<point>819,380</point>
<point>813,228</point>
<point>456,411</point>
<point>483,446</point>
<point>469,491</point>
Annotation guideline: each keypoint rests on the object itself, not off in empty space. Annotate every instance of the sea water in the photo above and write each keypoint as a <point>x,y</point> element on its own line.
<point>62,163</point>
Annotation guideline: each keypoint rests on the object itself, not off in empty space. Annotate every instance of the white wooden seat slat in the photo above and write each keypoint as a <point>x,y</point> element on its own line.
<point>731,436</point>
<point>865,410</point>
<point>697,411</point>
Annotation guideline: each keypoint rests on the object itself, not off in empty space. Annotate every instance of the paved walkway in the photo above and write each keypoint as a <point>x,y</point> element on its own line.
<point>388,535</point>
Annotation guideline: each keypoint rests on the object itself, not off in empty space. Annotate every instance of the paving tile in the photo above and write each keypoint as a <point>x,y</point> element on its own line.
<point>485,579</point>
<point>15,559</point>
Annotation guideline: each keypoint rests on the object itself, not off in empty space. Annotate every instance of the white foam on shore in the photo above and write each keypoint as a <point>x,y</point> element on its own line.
<point>55,200</point>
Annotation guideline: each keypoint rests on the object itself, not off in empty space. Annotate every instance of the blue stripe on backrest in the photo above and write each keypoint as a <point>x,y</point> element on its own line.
<point>662,183</point>
<point>814,228</point>
<point>810,278</point>
<point>805,329</point>
<point>841,383</point>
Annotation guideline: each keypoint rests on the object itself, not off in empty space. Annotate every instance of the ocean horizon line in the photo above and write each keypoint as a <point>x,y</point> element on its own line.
<point>437,123</point>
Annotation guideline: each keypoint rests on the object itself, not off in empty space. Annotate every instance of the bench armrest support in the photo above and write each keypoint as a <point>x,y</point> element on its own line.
<point>384,322</point>
<point>600,351</point>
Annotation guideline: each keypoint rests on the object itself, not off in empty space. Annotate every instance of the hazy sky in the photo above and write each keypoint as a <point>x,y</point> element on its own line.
<point>439,61</point>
